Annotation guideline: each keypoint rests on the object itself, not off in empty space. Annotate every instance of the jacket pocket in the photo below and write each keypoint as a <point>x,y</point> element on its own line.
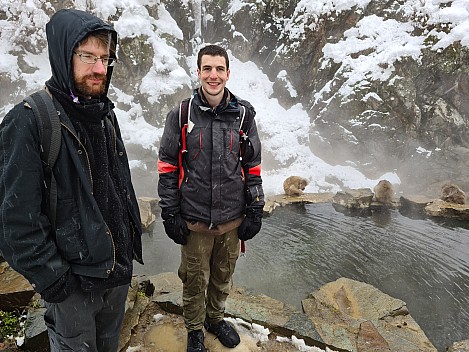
<point>69,237</point>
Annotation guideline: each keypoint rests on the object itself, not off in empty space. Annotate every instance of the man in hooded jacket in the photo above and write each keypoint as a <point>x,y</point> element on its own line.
<point>82,266</point>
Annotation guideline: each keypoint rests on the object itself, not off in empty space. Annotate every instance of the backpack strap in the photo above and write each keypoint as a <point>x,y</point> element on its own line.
<point>48,120</point>
<point>245,125</point>
<point>184,116</point>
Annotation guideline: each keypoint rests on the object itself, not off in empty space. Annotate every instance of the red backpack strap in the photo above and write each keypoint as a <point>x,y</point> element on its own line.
<point>184,116</point>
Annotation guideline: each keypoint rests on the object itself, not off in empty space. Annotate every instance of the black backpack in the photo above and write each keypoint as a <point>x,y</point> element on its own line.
<point>47,114</point>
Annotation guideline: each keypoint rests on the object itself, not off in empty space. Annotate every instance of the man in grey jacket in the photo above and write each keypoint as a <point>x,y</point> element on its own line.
<point>211,195</point>
<point>82,266</point>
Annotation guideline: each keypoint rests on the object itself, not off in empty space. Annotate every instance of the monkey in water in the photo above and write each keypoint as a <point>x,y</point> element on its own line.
<point>452,194</point>
<point>384,192</point>
<point>294,186</point>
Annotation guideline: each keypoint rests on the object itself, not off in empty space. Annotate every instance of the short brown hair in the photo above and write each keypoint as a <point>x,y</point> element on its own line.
<point>104,37</point>
<point>212,50</point>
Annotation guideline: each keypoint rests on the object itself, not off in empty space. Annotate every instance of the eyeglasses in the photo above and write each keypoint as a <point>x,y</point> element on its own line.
<point>91,59</point>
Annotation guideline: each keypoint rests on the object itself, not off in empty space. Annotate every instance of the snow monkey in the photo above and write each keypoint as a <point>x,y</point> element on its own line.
<point>452,194</point>
<point>384,193</point>
<point>294,185</point>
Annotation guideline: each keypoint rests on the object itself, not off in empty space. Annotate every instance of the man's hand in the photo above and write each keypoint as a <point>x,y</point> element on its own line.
<point>251,224</point>
<point>176,228</point>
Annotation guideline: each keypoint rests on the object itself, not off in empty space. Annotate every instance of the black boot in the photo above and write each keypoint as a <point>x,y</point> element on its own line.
<point>225,333</point>
<point>195,341</point>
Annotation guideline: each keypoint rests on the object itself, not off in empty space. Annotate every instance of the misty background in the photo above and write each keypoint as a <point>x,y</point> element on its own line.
<point>347,92</point>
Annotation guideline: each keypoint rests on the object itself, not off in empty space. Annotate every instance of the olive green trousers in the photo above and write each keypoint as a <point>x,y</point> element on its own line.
<point>207,266</point>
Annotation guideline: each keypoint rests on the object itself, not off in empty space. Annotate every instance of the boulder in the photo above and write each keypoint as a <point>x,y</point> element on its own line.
<point>354,199</point>
<point>306,198</point>
<point>460,346</point>
<point>147,215</point>
<point>414,205</point>
<point>36,337</point>
<point>356,317</point>
<point>15,291</point>
<point>440,208</point>
<point>137,301</point>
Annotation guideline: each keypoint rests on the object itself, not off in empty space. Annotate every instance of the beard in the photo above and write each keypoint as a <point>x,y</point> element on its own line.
<point>85,89</point>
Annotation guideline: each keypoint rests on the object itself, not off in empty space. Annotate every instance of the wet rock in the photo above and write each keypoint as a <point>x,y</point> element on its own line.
<point>147,216</point>
<point>136,303</point>
<point>5,348</point>
<point>354,199</point>
<point>306,198</point>
<point>36,337</point>
<point>361,201</point>
<point>440,208</point>
<point>460,346</point>
<point>370,340</point>
<point>274,315</point>
<point>15,291</point>
<point>353,316</point>
<point>414,205</point>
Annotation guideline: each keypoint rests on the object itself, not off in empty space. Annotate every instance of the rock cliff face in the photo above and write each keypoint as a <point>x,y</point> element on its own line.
<point>405,114</point>
<point>417,102</point>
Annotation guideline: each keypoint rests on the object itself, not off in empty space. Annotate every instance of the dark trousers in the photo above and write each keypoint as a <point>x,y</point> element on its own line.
<point>87,321</point>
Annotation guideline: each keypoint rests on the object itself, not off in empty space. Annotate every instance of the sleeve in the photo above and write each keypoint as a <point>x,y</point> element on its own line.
<point>168,165</point>
<point>252,166</point>
<point>25,231</point>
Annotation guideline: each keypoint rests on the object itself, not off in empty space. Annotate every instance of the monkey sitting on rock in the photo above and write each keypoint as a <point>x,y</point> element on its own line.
<point>294,186</point>
<point>452,194</point>
<point>384,192</point>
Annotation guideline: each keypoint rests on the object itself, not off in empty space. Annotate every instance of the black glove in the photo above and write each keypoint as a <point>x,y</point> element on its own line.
<point>62,288</point>
<point>176,228</point>
<point>251,224</point>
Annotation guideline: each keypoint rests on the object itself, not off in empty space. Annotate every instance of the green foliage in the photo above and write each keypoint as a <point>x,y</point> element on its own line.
<point>9,323</point>
<point>36,303</point>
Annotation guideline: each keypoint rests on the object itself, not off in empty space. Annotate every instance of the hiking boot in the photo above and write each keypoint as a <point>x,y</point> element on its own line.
<point>195,341</point>
<point>225,333</point>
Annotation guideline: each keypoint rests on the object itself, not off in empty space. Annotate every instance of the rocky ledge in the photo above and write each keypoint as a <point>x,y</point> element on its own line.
<point>350,200</point>
<point>362,200</point>
<point>344,315</point>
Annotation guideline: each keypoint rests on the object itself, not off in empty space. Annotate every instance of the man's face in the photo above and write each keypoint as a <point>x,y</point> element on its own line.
<point>90,79</point>
<point>213,75</point>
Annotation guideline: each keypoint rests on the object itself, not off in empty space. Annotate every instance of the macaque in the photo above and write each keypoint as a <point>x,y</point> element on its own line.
<point>294,186</point>
<point>384,193</point>
<point>453,194</point>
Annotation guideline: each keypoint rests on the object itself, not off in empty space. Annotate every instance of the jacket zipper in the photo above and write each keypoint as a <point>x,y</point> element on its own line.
<point>110,233</point>
<point>86,154</point>
<point>91,179</point>
<point>113,248</point>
